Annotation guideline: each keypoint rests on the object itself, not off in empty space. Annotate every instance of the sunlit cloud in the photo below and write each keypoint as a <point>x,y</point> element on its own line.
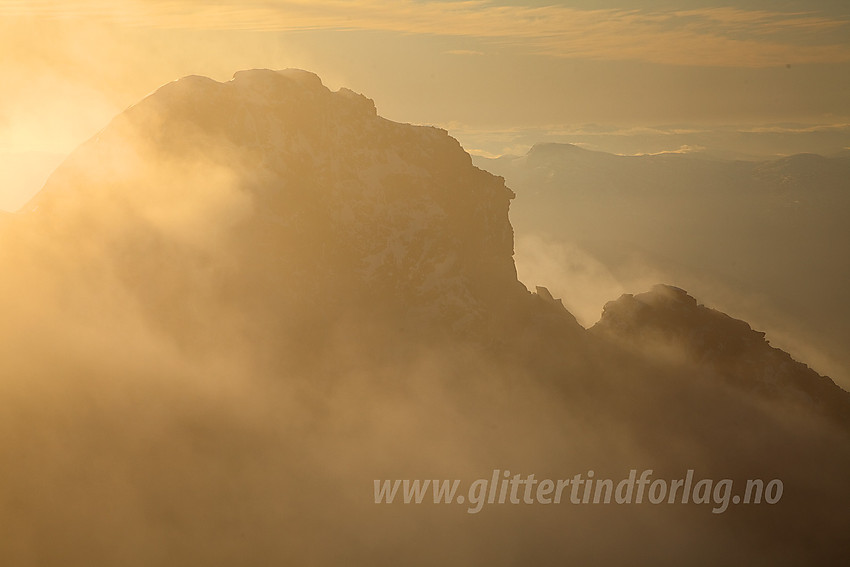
<point>463,52</point>
<point>723,37</point>
<point>801,129</point>
<point>643,131</point>
<point>684,149</point>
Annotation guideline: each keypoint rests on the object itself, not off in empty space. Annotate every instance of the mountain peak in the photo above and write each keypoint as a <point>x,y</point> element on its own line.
<point>670,312</point>
<point>669,317</point>
<point>294,87</point>
<point>266,77</point>
<point>554,149</point>
<point>307,189</point>
<point>669,294</point>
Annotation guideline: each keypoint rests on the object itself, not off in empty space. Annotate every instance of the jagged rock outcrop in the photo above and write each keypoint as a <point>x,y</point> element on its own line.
<point>667,316</point>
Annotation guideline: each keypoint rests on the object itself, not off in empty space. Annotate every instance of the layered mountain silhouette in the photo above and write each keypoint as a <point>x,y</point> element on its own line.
<point>762,238</point>
<point>241,303</point>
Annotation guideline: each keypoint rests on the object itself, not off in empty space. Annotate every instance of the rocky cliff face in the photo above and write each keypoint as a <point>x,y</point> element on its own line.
<point>288,197</point>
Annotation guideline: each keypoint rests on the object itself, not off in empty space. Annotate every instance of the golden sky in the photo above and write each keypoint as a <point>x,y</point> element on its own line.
<point>472,66</point>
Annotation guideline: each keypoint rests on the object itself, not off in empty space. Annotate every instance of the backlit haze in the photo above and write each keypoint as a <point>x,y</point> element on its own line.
<point>259,256</point>
<point>736,79</point>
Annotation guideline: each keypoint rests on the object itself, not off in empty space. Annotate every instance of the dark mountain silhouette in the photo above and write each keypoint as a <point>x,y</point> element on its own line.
<point>241,303</point>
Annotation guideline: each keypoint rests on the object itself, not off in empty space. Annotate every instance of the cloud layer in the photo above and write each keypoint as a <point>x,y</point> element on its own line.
<point>715,37</point>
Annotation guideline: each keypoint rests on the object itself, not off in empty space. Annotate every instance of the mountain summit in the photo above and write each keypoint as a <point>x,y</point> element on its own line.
<point>309,195</point>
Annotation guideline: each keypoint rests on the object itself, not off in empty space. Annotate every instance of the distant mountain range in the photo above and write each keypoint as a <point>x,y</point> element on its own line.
<point>762,239</point>
<point>241,303</point>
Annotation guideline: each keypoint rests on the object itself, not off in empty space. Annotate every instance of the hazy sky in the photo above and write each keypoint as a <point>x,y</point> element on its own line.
<point>498,74</point>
